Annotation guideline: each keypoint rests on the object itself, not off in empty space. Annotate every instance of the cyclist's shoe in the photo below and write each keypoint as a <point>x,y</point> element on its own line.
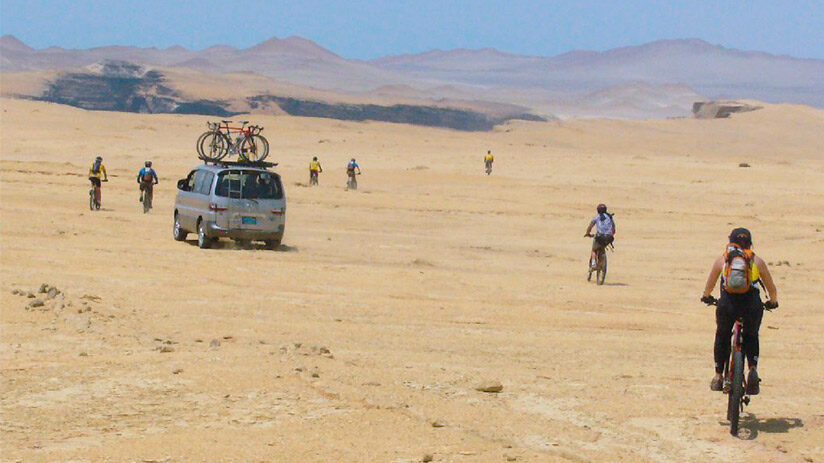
<point>141,198</point>
<point>753,388</point>
<point>717,384</point>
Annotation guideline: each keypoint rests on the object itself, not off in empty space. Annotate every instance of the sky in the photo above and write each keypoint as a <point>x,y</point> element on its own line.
<point>373,28</point>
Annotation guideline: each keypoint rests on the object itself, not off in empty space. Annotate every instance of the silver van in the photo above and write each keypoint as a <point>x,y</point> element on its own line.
<point>241,201</point>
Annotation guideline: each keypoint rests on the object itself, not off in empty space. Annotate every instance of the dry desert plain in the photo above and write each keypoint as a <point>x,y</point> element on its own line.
<point>364,337</point>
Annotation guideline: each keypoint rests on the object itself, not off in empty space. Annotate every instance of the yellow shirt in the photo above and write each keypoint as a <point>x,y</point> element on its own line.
<point>92,173</point>
<point>488,158</point>
<point>314,166</point>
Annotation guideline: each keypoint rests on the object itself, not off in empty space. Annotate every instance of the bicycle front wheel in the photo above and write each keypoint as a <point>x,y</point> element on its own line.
<point>736,393</point>
<point>602,269</point>
<point>212,146</point>
<point>254,148</point>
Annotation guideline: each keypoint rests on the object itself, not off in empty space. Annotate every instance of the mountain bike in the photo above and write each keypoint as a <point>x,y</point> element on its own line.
<point>214,144</point>
<point>147,195</point>
<point>95,197</point>
<point>599,266</point>
<point>735,382</point>
<point>352,182</point>
<point>313,177</point>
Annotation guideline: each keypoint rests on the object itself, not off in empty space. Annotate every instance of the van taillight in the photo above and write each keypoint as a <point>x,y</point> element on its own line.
<point>213,207</point>
<point>277,211</point>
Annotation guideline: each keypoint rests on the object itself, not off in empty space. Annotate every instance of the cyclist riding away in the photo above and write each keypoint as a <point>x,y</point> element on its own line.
<point>351,169</point>
<point>604,224</point>
<point>314,170</point>
<point>740,271</point>
<point>488,160</point>
<point>147,178</point>
<point>95,171</point>
<point>352,166</point>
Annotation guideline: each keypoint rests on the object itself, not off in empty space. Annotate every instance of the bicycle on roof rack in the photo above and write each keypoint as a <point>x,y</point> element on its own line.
<point>216,143</point>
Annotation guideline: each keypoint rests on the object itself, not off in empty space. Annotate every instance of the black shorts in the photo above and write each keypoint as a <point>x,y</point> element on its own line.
<point>95,181</point>
<point>602,241</point>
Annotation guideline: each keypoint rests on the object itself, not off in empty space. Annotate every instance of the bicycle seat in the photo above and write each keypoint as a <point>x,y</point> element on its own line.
<point>226,122</point>
<point>244,122</point>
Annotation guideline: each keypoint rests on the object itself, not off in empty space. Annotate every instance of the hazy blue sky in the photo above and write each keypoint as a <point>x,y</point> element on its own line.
<point>374,28</point>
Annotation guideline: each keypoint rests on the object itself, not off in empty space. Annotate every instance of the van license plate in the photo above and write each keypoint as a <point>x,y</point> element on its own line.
<point>248,220</point>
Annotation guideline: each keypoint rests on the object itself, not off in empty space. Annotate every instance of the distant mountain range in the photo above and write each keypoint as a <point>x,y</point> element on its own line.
<point>657,79</point>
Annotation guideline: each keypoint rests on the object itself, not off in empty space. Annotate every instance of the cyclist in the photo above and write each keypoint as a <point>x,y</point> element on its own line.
<point>746,305</point>
<point>604,232</point>
<point>314,170</point>
<point>147,178</point>
<point>352,166</point>
<point>95,171</point>
<point>488,160</point>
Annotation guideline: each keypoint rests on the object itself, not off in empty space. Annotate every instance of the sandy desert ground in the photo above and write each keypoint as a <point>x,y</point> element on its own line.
<point>363,338</point>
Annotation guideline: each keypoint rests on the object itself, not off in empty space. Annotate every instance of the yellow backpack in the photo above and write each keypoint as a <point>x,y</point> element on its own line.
<point>737,269</point>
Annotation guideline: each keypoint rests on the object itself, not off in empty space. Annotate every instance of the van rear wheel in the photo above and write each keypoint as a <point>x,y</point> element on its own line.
<point>272,244</point>
<point>203,241</point>
<point>178,233</point>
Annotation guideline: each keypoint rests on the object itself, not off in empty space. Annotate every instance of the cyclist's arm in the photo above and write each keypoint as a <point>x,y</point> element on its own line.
<point>154,174</point>
<point>103,169</point>
<point>766,277</point>
<point>715,272</point>
<point>320,169</point>
<point>589,228</point>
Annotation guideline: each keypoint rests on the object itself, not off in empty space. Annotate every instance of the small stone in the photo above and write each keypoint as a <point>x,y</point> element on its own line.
<point>44,288</point>
<point>743,164</point>
<point>165,348</point>
<point>52,293</point>
<point>438,424</point>
<point>324,350</point>
<point>177,371</point>
<point>299,368</point>
<point>82,354</point>
<point>427,458</point>
<point>36,303</point>
<point>315,373</point>
<point>490,387</point>
<point>30,295</point>
<point>510,457</point>
<point>214,343</point>
<point>18,292</point>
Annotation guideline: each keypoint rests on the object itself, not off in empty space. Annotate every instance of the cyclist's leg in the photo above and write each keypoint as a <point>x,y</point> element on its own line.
<point>724,320</point>
<point>752,323</point>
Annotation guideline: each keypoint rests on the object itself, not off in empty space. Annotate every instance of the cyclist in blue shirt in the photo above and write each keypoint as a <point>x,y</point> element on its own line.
<point>146,178</point>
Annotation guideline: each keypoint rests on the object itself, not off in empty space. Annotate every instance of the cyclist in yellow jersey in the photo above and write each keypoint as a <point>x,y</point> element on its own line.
<point>314,170</point>
<point>746,305</point>
<point>488,160</point>
<point>95,171</point>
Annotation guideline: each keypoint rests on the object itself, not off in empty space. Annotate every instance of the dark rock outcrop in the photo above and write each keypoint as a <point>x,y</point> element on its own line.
<point>432,116</point>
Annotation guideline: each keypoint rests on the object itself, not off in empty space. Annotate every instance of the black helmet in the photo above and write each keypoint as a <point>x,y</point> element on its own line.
<point>602,208</point>
<point>99,158</point>
<point>148,163</point>
<point>315,158</point>
<point>741,237</point>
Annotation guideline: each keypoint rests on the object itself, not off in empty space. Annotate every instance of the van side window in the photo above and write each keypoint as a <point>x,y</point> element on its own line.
<point>203,181</point>
<point>206,183</point>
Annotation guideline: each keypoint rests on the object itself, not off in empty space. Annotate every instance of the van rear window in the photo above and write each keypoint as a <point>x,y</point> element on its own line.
<point>248,184</point>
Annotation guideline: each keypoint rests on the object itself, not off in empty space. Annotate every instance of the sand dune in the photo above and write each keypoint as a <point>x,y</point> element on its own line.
<point>386,307</point>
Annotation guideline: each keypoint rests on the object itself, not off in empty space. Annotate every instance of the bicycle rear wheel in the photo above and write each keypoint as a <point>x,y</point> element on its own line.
<point>212,146</point>
<point>254,148</point>
<point>91,199</point>
<point>736,393</point>
<point>602,268</point>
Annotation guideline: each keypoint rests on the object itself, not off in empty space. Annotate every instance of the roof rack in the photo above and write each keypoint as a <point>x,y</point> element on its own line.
<point>263,164</point>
